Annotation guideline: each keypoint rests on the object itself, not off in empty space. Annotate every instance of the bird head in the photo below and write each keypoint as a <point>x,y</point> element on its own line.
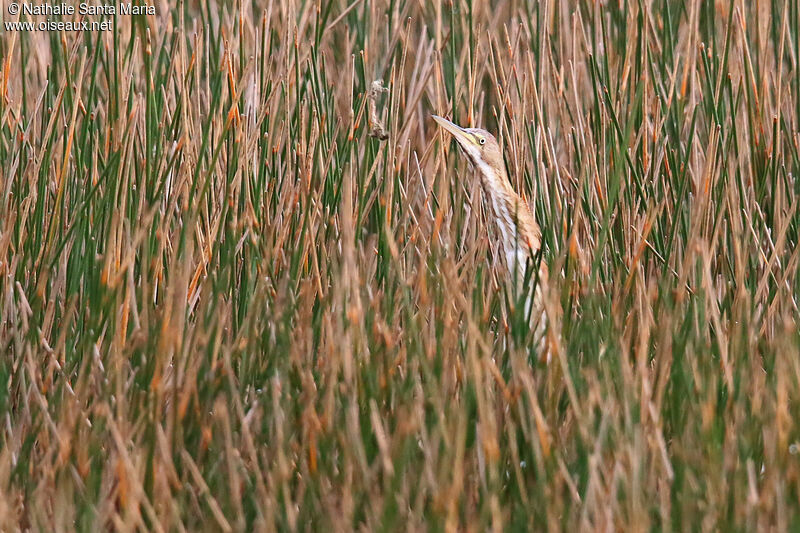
<point>479,145</point>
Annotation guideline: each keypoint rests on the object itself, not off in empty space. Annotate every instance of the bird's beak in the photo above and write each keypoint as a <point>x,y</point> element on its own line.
<point>461,135</point>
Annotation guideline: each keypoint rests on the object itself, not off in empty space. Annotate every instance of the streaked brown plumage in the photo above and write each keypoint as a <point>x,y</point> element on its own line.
<point>521,236</point>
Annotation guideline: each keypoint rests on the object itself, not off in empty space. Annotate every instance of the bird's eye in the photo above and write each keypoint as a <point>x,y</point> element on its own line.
<point>482,141</point>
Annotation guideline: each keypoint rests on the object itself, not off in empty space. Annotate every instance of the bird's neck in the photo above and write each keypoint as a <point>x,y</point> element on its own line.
<point>518,229</point>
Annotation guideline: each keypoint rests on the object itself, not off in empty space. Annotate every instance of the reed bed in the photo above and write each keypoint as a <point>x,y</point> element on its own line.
<point>247,284</point>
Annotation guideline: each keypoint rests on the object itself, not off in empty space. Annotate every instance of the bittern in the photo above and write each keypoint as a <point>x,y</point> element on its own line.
<point>521,237</point>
